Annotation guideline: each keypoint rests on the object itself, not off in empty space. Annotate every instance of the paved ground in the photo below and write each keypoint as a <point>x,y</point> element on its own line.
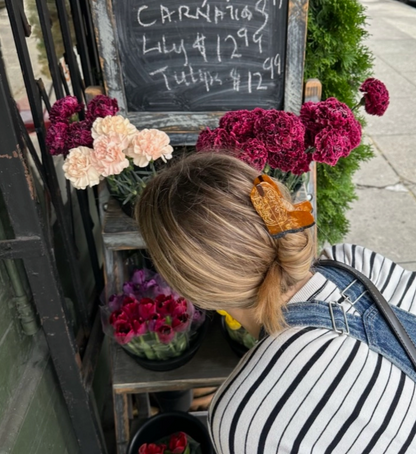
<point>384,217</point>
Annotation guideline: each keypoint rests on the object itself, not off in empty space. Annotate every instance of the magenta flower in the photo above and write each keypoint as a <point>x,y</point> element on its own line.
<point>132,310</point>
<point>165,305</point>
<point>280,131</point>
<point>330,145</point>
<point>296,162</point>
<point>376,96</point>
<point>164,331</point>
<point>56,138</point>
<point>179,307</point>
<point>115,302</point>
<point>147,308</point>
<point>101,106</point>
<point>241,123</point>
<point>139,327</point>
<point>79,134</point>
<point>64,108</point>
<point>254,153</point>
<point>118,315</point>
<point>216,139</point>
<point>180,323</point>
<point>123,332</point>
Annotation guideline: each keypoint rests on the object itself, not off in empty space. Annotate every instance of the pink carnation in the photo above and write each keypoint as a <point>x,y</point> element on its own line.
<point>56,138</point>
<point>254,153</point>
<point>108,157</point>
<point>376,96</point>
<point>101,106</point>
<point>79,134</point>
<point>64,108</point>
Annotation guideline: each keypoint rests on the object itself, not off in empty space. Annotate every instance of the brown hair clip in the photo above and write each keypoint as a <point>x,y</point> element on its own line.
<point>279,215</point>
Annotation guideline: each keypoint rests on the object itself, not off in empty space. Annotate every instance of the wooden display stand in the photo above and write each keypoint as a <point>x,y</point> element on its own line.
<point>211,365</point>
<point>179,67</point>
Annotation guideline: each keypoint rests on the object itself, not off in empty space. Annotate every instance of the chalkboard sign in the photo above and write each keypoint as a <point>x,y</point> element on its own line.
<point>177,65</point>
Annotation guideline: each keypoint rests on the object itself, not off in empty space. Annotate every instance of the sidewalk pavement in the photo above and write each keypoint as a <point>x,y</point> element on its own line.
<point>384,217</point>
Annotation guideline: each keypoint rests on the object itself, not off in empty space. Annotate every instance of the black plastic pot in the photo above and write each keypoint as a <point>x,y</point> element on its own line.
<point>174,363</point>
<point>169,401</point>
<point>165,424</point>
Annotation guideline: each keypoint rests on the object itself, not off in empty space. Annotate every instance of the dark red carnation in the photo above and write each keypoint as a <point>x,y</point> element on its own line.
<point>178,443</point>
<point>295,162</point>
<point>56,138</point>
<point>376,96</point>
<point>64,108</point>
<point>101,106</point>
<point>254,153</point>
<point>214,140</point>
<point>330,145</point>
<point>280,131</point>
<point>318,116</point>
<point>241,123</point>
<point>79,134</point>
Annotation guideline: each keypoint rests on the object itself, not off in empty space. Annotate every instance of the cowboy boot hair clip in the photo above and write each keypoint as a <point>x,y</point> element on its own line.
<point>280,216</point>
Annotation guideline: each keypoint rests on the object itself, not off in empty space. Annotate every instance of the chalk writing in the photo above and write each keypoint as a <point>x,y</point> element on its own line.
<point>174,52</point>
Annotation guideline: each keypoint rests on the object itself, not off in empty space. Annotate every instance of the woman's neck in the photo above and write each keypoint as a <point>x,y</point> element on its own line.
<point>247,317</point>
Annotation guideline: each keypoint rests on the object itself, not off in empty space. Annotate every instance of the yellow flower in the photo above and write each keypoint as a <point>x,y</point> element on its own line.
<point>231,322</point>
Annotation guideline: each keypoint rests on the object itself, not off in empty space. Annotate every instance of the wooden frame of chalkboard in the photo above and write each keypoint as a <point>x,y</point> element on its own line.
<point>179,66</point>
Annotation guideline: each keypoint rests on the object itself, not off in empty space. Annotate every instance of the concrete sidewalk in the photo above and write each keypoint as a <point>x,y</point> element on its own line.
<point>384,217</point>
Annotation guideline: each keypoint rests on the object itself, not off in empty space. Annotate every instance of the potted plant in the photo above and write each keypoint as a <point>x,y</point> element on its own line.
<point>238,337</point>
<point>160,329</point>
<point>171,433</point>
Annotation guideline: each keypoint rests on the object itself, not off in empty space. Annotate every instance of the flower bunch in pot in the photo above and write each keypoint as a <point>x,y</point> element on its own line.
<point>153,323</point>
<point>283,144</point>
<point>239,338</point>
<point>171,433</point>
<point>99,144</point>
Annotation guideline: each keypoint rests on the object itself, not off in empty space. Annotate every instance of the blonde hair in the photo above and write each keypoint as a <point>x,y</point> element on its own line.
<point>211,246</point>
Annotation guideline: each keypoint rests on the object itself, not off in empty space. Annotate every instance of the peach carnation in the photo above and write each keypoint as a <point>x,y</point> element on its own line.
<point>112,124</point>
<point>79,169</point>
<point>147,145</point>
<point>107,156</point>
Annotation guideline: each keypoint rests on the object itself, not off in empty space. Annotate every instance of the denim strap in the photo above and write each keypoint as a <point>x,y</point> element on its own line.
<point>369,327</point>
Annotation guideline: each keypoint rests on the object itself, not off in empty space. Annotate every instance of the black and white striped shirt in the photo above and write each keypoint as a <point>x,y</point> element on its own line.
<point>311,390</point>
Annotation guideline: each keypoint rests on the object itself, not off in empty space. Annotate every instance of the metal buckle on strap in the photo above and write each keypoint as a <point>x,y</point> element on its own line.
<point>346,298</point>
<point>334,326</point>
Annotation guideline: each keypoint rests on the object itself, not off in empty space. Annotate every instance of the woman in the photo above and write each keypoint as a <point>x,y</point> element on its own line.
<point>303,388</point>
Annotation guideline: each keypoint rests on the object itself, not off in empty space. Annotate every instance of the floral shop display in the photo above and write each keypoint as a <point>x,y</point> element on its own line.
<point>104,145</point>
<point>238,337</point>
<point>160,329</point>
<point>171,433</point>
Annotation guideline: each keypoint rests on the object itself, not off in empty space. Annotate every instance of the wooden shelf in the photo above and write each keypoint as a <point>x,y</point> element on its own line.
<point>212,364</point>
<point>120,232</point>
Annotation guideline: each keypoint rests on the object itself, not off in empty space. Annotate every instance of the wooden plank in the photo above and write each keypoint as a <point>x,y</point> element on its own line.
<point>120,232</point>
<point>211,365</point>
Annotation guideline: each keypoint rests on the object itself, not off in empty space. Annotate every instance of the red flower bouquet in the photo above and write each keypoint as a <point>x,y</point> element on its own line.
<point>177,443</point>
<point>283,144</point>
<point>149,319</point>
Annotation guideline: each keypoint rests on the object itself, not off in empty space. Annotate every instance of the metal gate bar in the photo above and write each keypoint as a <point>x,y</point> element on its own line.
<point>32,244</point>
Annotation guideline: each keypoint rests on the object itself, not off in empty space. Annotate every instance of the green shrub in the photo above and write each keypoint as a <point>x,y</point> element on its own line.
<point>337,56</point>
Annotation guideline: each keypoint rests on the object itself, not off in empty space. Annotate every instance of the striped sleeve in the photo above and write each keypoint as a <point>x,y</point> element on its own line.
<point>395,283</point>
